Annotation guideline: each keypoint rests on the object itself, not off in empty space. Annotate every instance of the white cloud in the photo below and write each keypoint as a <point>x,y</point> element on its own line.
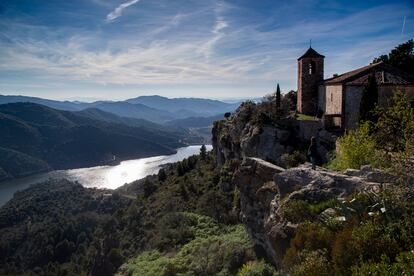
<point>117,12</point>
<point>196,48</point>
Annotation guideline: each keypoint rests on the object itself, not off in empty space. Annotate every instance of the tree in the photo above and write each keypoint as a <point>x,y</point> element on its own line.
<point>149,187</point>
<point>227,115</point>
<point>395,123</point>
<point>203,152</point>
<point>401,57</point>
<point>162,175</point>
<point>278,97</point>
<point>369,100</point>
<point>291,97</point>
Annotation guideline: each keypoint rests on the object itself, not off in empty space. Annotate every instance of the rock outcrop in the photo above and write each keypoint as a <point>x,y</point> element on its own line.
<point>243,136</point>
<point>266,188</point>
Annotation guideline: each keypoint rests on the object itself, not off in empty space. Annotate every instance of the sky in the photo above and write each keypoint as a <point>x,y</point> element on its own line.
<point>119,49</point>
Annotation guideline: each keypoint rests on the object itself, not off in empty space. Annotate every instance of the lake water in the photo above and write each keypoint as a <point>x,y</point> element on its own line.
<point>110,177</point>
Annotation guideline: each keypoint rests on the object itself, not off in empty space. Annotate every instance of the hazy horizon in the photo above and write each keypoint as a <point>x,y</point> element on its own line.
<point>91,100</point>
<point>119,49</point>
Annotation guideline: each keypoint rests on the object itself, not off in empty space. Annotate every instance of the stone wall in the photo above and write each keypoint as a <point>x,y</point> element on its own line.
<point>322,98</point>
<point>333,99</point>
<point>353,96</point>
<point>385,91</point>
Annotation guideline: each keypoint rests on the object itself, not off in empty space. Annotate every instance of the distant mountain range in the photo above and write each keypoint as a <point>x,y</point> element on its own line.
<point>40,134</point>
<point>37,138</point>
<point>152,108</point>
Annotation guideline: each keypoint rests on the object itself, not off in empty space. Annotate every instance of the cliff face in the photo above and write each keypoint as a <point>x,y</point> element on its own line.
<point>266,190</point>
<point>245,136</point>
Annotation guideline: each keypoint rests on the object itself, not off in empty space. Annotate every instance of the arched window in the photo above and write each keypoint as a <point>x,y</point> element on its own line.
<point>311,67</point>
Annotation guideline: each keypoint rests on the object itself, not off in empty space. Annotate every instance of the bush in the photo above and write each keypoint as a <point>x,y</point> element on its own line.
<point>313,263</point>
<point>293,159</point>
<point>149,187</point>
<point>162,176</point>
<point>257,268</point>
<point>310,237</point>
<point>214,249</point>
<point>395,124</point>
<point>404,265</point>
<point>356,148</point>
<point>297,211</point>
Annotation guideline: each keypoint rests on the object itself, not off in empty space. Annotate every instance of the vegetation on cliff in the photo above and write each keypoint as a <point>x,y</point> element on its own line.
<point>385,143</point>
<point>166,222</point>
<point>370,233</point>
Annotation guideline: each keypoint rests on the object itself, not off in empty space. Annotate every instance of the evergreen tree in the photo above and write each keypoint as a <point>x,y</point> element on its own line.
<point>162,175</point>
<point>149,187</point>
<point>278,97</point>
<point>203,152</point>
<point>369,100</point>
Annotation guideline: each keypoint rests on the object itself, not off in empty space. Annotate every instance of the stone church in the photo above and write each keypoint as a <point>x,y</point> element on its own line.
<point>338,98</point>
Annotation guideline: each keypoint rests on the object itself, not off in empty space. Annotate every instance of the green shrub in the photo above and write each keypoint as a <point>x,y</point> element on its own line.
<point>356,148</point>
<point>310,237</point>
<point>319,207</point>
<point>149,263</point>
<point>293,159</point>
<point>257,268</point>
<point>297,211</point>
<point>404,265</point>
<point>149,187</point>
<point>313,263</point>
<point>395,124</point>
<point>236,198</point>
<point>215,250</point>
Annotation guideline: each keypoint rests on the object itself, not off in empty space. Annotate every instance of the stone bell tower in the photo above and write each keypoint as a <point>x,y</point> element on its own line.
<point>310,74</point>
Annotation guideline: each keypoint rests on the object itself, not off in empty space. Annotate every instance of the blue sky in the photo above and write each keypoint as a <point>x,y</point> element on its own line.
<point>117,49</point>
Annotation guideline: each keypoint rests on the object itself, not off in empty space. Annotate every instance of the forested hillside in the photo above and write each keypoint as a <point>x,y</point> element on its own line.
<point>163,225</point>
<point>38,138</point>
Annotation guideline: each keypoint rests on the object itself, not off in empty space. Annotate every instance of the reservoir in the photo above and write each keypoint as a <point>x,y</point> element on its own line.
<point>109,177</point>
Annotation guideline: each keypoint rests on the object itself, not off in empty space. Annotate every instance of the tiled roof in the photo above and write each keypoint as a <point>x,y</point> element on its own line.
<point>384,74</point>
<point>311,53</point>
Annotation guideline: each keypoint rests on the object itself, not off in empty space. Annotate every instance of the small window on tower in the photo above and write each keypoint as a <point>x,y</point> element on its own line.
<point>311,67</point>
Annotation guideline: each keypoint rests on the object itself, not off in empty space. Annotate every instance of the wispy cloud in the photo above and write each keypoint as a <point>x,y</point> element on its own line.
<point>210,44</point>
<point>117,12</point>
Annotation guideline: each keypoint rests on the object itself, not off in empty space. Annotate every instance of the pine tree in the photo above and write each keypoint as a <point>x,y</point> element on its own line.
<point>203,152</point>
<point>278,97</point>
<point>162,175</point>
<point>369,100</point>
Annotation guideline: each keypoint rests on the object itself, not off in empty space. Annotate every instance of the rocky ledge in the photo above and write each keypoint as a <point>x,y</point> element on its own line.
<point>266,188</point>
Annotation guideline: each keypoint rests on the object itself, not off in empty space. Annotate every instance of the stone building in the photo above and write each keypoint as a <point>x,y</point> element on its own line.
<point>338,98</point>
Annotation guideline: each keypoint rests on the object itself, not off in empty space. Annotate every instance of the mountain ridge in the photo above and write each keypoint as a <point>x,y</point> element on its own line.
<point>65,139</point>
<point>153,108</point>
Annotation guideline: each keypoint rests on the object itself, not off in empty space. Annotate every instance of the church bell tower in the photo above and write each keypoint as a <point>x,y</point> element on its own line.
<point>310,75</point>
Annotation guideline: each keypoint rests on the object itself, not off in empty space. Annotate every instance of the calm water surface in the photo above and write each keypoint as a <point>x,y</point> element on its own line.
<point>110,177</point>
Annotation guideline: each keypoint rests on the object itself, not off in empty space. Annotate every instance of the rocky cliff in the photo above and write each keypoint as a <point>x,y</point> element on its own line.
<point>245,134</point>
<point>266,190</point>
